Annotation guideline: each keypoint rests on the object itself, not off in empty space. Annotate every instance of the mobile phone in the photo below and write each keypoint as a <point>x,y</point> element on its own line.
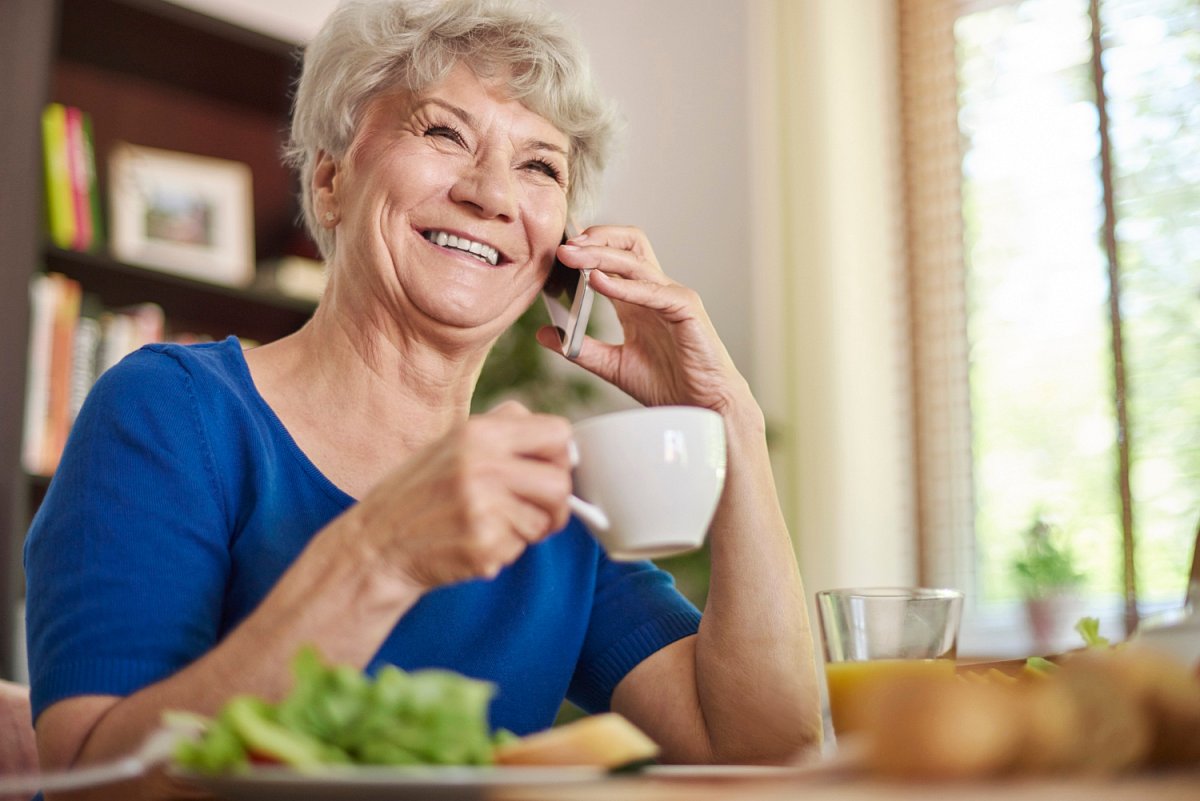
<point>568,298</point>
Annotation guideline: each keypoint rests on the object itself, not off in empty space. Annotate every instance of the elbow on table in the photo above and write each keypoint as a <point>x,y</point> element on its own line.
<point>790,744</point>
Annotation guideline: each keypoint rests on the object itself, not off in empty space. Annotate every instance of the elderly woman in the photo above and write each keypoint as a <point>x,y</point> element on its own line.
<point>216,510</point>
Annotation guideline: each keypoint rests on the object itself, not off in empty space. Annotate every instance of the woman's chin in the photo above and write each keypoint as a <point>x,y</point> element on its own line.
<point>483,311</point>
<point>467,324</point>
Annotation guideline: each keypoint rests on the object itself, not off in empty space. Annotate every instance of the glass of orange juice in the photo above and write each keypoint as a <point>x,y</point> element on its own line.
<point>881,632</point>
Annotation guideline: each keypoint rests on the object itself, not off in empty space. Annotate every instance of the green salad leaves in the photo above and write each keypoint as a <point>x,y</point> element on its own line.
<point>1089,629</point>
<point>337,715</point>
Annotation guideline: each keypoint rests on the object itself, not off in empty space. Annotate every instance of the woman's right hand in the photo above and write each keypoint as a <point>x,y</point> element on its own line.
<point>470,503</point>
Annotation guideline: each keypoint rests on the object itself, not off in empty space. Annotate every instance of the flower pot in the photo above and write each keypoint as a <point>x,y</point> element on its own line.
<point>1052,620</point>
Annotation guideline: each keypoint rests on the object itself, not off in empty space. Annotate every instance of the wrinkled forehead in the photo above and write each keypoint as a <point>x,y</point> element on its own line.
<point>468,93</point>
<point>532,86</point>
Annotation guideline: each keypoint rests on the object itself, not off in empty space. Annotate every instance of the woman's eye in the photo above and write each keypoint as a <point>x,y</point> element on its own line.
<point>445,132</point>
<point>544,167</point>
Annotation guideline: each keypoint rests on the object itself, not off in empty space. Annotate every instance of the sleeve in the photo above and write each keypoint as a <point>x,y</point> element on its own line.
<point>127,559</point>
<point>636,611</point>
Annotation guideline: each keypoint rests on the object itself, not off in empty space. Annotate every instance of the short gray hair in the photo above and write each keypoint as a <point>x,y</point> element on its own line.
<point>370,46</point>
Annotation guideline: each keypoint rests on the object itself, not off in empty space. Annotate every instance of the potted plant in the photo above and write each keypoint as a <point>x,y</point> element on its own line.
<point>1048,579</point>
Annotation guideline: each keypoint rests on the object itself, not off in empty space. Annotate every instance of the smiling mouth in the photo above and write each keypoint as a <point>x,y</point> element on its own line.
<point>485,253</point>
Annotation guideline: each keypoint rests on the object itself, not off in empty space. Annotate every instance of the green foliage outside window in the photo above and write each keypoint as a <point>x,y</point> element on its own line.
<point>1042,389</point>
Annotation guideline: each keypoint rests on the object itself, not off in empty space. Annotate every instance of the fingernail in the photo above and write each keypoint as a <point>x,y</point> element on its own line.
<point>569,247</point>
<point>578,238</point>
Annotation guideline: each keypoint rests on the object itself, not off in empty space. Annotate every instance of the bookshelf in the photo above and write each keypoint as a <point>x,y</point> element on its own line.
<point>153,74</point>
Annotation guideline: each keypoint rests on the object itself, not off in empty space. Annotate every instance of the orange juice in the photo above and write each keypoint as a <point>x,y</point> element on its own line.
<point>849,681</point>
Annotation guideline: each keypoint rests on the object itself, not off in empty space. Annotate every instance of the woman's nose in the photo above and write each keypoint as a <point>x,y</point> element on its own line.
<point>489,185</point>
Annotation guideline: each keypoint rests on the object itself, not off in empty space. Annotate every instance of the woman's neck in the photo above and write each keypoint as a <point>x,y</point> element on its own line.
<point>359,391</point>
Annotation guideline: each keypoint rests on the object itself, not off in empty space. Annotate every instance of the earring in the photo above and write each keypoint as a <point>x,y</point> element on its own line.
<point>330,216</point>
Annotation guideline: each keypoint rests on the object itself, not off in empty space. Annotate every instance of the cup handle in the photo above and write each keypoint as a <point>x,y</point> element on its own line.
<point>592,515</point>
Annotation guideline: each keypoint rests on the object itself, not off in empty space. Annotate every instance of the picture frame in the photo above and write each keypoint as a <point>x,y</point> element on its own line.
<point>182,213</point>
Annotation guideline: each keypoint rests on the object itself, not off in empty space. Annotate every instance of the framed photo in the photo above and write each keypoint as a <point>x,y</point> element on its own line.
<point>181,213</point>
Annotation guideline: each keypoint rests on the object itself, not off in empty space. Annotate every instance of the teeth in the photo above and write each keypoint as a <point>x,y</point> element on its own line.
<point>483,252</point>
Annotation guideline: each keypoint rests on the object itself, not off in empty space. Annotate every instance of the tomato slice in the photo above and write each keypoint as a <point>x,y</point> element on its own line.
<point>261,758</point>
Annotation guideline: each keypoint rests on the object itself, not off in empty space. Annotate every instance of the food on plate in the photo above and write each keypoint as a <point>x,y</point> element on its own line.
<point>934,727</point>
<point>1114,727</point>
<point>1039,667</point>
<point>1089,630</point>
<point>607,740</point>
<point>990,676</point>
<point>1050,724</point>
<point>1101,710</point>
<point>1164,688</point>
<point>338,715</point>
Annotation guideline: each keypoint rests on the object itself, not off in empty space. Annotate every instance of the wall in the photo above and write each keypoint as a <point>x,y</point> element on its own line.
<point>830,302</point>
<point>759,157</point>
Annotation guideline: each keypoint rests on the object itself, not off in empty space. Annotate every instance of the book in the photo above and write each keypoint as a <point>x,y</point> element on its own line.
<point>93,184</point>
<point>116,334</point>
<point>73,210</point>
<point>83,362</point>
<point>42,292</point>
<point>60,214</point>
<point>67,299</point>
<point>125,330</point>
<point>149,324</point>
<point>81,204</point>
<point>72,340</point>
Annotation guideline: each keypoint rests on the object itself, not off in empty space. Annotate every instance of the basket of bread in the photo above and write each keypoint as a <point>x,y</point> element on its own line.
<point>1100,710</point>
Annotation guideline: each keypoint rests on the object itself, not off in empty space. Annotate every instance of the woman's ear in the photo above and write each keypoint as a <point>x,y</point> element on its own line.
<point>324,189</point>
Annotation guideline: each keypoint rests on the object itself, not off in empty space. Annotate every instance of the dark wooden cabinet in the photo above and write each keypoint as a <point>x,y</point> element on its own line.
<point>154,74</point>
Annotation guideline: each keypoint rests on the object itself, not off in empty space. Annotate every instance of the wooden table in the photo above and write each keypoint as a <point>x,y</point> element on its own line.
<point>1173,786</point>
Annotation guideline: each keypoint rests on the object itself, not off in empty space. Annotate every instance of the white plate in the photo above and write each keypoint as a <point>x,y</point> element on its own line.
<point>725,771</point>
<point>818,769</point>
<point>1176,633</point>
<point>369,783</point>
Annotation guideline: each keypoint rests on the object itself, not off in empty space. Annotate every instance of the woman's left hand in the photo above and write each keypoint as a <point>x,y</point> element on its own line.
<point>671,353</point>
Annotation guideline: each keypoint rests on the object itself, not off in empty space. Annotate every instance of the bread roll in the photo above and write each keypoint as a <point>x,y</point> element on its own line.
<point>1050,727</point>
<point>941,728</point>
<point>1169,694</point>
<point>1115,728</point>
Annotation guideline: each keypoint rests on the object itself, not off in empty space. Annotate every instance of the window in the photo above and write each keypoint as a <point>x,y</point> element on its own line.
<point>1079,411</point>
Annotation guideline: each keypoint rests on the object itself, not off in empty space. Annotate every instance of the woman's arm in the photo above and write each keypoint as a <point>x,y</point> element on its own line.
<point>464,507</point>
<point>744,689</point>
<point>18,753</point>
<point>332,596</point>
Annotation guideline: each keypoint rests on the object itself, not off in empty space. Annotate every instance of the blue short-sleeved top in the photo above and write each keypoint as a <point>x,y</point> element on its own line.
<point>181,499</point>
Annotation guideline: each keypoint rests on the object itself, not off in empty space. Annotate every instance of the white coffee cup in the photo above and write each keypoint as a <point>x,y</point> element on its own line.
<point>648,480</point>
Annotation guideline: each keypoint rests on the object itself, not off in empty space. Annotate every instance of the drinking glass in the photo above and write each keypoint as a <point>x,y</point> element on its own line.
<point>880,632</point>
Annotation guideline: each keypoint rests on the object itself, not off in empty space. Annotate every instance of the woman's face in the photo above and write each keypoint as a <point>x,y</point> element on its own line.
<point>451,204</point>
